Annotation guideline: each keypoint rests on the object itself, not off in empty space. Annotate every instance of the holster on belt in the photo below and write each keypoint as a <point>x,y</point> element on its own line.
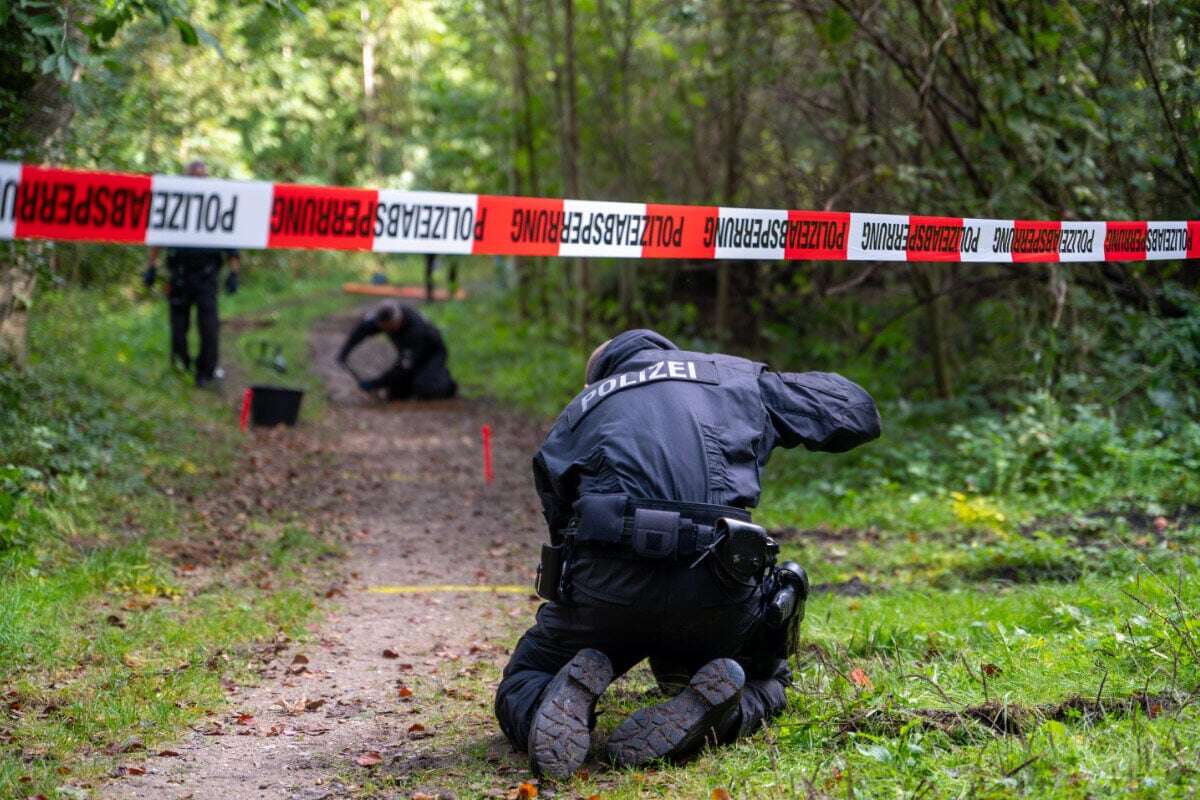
<point>548,583</point>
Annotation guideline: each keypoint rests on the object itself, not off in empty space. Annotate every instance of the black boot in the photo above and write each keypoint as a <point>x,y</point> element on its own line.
<point>561,734</point>
<point>680,726</point>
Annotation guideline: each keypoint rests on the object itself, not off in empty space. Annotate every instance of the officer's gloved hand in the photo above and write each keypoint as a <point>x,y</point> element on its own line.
<point>149,275</point>
<point>231,283</point>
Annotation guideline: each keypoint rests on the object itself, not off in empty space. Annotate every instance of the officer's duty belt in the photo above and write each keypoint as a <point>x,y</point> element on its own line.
<point>652,529</point>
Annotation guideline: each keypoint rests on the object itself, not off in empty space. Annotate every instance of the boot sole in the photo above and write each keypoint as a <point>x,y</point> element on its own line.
<point>561,735</point>
<point>678,726</point>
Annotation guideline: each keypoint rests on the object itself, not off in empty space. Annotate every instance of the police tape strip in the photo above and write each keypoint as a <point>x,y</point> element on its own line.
<point>169,210</point>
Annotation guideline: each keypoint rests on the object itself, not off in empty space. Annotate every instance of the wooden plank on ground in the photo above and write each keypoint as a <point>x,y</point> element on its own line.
<point>407,292</point>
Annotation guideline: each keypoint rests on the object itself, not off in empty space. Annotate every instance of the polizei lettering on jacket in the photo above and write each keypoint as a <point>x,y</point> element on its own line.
<point>665,370</point>
<point>598,227</point>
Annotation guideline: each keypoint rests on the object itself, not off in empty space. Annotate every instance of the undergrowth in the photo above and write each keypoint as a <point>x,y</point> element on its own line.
<point>107,646</point>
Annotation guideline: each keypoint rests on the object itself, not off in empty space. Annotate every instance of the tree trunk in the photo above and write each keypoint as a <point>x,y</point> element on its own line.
<point>52,109</point>
<point>571,164</point>
<point>17,280</point>
<point>370,102</point>
<point>930,294</point>
<point>731,126</point>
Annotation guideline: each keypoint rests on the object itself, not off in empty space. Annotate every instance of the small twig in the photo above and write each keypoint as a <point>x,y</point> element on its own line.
<point>846,286</point>
<point>1021,766</point>
<point>933,683</point>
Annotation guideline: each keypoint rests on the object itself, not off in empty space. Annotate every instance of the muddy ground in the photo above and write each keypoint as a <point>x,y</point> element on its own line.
<point>392,690</point>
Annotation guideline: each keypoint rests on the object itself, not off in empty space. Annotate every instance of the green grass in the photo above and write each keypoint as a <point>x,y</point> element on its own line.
<point>1016,559</point>
<point>104,644</point>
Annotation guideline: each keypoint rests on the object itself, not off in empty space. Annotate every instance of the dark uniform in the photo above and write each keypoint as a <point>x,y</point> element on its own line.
<point>632,476</point>
<point>193,273</point>
<point>420,369</point>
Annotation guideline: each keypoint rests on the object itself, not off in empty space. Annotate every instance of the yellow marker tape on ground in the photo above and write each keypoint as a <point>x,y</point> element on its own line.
<point>451,587</point>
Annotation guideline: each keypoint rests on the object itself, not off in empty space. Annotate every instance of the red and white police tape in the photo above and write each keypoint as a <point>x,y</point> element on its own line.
<point>170,210</point>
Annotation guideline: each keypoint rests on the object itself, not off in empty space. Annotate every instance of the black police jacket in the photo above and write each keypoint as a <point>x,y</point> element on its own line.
<point>417,341</point>
<point>661,423</point>
<point>196,266</point>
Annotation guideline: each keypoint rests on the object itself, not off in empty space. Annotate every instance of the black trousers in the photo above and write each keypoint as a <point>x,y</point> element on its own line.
<point>632,610</point>
<point>427,381</point>
<point>201,295</point>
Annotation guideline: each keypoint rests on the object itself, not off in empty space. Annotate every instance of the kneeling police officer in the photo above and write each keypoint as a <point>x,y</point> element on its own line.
<point>420,369</point>
<point>645,479</point>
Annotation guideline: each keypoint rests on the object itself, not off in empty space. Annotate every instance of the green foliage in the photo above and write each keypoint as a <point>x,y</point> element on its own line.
<point>97,436</point>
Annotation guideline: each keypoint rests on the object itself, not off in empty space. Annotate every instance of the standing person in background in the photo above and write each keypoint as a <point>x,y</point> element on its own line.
<point>192,277</point>
<point>431,262</point>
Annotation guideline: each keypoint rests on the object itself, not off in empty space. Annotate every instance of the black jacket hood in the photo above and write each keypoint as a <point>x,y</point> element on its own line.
<point>623,347</point>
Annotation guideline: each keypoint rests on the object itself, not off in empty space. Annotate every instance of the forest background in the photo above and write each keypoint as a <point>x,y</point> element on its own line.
<point>1034,404</point>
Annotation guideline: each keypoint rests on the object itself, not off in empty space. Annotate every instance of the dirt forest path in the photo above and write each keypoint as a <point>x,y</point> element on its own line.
<point>405,480</point>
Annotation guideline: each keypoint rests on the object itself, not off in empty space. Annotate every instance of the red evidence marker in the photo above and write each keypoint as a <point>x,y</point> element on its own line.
<point>488,475</point>
<point>247,400</point>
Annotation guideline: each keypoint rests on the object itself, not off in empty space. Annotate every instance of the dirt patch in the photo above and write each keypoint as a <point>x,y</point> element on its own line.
<point>1012,719</point>
<point>824,535</point>
<point>855,587</point>
<point>406,676</point>
<point>1094,529</point>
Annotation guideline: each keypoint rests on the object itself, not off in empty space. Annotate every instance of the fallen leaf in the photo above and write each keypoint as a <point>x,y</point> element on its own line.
<point>167,754</point>
<point>405,691</point>
<point>313,705</point>
<point>860,678</point>
<point>991,670</point>
<point>416,727</point>
<point>132,661</point>
<point>115,621</point>
<point>390,653</point>
<point>526,791</point>
<point>244,719</point>
<point>299,658</point>
<point>421,796</point>
<point>371,758</point>
<point>721,794</point>
<point>291,708</point>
